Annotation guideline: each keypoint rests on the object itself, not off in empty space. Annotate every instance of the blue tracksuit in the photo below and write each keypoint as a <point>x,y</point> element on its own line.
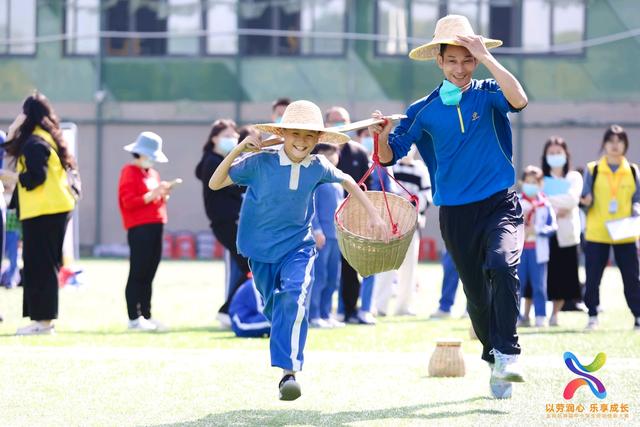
<point>274,232</point>
<point>329,261</point>
<point>450,281</point>
<point>246,312</point>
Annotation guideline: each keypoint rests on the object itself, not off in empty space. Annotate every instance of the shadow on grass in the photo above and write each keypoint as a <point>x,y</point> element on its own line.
<point>453,321</point>
<point>548,331</point>
<point>555,331</point>
<point>219,333</point>
<point>265,417</point>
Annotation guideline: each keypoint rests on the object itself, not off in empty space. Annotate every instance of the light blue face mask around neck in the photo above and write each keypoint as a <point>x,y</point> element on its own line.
<point>450,94</point>
<point>225,144</point>
<point>531,190</point>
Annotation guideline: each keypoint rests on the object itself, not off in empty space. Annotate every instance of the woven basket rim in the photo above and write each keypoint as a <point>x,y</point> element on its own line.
<point>341,229</point>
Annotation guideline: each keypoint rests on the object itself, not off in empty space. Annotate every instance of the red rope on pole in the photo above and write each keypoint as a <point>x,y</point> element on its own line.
<point>376,164</point>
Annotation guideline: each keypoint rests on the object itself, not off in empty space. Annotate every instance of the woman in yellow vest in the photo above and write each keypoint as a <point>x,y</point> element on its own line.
<point>45,202</point>
<point>611,191</point>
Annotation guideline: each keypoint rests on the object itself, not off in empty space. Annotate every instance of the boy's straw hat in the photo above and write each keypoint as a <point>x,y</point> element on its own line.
<point>447,28</point>
<point>304,115</point>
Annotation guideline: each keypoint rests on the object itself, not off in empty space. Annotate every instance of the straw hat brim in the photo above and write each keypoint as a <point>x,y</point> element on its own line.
<point>430,50</point>
<point>327,136</point>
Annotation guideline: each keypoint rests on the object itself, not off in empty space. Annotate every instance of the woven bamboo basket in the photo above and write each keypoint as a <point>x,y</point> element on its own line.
<point>447,360</point>
<point>369,254</point>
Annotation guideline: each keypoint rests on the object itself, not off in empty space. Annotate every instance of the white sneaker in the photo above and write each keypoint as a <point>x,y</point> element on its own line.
<point>335,323</point>
<point>224,319</point>
<point>37,328</point>
<point>523,322</point>
<point>319,323</point>
<point>339,317</point>
<point>366,318</point>
<point>160,327</point>
<point>553,320</point>
<point>500,389</point>
<point>541,321</point>
<point>592,324</point>
<point>439,314</point>
<point>405,312</point>
<point>141,324</point>
<point>506,367</point>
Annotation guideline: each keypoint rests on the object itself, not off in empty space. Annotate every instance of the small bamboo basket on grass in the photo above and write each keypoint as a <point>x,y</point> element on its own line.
<point>447,359</point>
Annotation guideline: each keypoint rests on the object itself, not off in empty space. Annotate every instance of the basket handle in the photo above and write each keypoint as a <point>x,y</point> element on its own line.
<point>376,164</point>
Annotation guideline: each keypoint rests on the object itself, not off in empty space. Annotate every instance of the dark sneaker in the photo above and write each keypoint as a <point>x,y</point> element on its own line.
<point>289,388</point>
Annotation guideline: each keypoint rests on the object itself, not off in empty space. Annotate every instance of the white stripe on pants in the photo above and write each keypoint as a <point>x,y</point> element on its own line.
<point>295,332</point>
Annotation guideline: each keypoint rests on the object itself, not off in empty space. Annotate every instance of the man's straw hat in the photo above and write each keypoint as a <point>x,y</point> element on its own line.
<point>304,115</point>
<point>447,28</point>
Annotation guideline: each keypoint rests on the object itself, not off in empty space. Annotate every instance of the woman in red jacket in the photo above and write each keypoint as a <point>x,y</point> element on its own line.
<point>142,198</point>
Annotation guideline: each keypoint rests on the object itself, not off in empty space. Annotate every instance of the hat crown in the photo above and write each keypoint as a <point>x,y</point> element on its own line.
<point>148,142</point>
<point>450,26</point>
<point>303,112</point>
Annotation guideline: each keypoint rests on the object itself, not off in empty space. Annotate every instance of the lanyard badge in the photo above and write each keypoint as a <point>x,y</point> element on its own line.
<point>613,186</point>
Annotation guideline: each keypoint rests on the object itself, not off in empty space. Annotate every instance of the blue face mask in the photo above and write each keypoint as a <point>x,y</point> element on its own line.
<point>450,94</point>
<point>531,190</point>
<point>556,160</point>
<point>225,145</point>
<point>367,143</point>
<point>278,119</point>
<point>338,124</point>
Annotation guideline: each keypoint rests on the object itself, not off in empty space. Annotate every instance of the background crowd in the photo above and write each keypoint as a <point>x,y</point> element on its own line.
<point>566,209</point>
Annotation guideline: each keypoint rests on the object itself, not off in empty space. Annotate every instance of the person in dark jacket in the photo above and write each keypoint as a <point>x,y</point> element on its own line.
<point>45,202</point>
<point>223,206</point>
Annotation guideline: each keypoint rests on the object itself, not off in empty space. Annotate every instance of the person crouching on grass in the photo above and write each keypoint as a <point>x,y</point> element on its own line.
<point>274,230</point>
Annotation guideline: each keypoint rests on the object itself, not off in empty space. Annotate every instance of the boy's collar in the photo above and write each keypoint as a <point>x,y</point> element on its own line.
<point>286,161</point>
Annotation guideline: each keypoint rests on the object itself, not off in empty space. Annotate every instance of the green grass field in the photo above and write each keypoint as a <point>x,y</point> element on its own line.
<point>95,372</point>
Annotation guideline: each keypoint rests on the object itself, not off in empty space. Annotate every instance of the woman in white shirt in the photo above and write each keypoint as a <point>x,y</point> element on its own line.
<point>562,187</point>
